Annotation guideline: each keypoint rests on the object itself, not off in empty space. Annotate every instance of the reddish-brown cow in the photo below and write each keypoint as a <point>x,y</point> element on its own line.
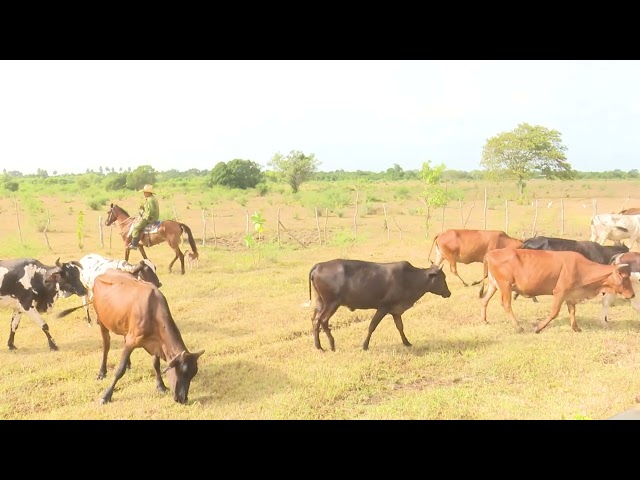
<point>568,276</point>
<point>469,246</point>
<point>139,311</point>
<point>630,211</point>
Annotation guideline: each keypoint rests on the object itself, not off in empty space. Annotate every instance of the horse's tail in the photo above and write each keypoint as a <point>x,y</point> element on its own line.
<point>192,242</point>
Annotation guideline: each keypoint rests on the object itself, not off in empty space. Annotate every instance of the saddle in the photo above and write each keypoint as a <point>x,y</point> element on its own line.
<point>149,229</point>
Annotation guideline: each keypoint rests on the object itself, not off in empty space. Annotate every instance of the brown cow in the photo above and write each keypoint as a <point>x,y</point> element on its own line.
<point>139,311</point>
<point>389,288</point>
<point>469,246</point>
<point>633,260</point>
<point>568,276</point>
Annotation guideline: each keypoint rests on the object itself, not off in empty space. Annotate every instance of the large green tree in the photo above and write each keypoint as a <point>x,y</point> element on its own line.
<point>140,177</point>
<point>526,152</point>
<point>294,168</point>
<point>236,174</point>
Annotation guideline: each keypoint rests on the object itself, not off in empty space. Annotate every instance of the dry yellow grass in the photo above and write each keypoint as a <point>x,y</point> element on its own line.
<point>243,307</point>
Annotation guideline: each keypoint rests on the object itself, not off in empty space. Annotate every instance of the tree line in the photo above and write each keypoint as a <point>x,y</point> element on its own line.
<point>525,153</point>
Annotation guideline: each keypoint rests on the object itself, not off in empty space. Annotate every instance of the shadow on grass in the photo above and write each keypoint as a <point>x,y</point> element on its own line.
<point>428,347</point>
<point>239,381</point>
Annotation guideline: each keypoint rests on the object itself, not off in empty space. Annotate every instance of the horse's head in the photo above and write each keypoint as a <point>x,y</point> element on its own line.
<point>111,216</point>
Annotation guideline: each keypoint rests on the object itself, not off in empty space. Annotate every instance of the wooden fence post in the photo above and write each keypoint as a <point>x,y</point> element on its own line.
<point>278,230</point>
<point>318,227</point>
<point>204,227</point>
<point>15,204</point>
<point>506,216</point>
<point>442,224</point>
<point>386,222</point>
<point>326,219</point>
<point>535,220</point>
<point>46,238</point>
<point>562,217</point>
<point>485,208</point>
<point>100,231</point>
<point>355,216</point>
<point>461,214</point>
<point>213,225</point>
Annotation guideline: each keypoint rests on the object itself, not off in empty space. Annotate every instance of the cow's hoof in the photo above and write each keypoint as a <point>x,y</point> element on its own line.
<point>12,347</point>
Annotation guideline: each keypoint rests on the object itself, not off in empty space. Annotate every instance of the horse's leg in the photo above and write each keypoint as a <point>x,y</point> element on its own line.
<point>142,252</point>
<point>126,253</point>
<point>179,255</point>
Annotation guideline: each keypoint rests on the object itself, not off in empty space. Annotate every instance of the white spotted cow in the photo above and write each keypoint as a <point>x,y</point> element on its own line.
<point>94,265</point>
<point>30,287</point>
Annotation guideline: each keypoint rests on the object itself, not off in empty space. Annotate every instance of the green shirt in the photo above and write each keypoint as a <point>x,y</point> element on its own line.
<point>151,209</point>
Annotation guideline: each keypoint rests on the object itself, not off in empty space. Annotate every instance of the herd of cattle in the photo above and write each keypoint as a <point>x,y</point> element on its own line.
<point>127,300</point>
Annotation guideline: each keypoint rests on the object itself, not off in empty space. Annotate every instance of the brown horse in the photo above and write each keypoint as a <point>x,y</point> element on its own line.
<point>169,231</point>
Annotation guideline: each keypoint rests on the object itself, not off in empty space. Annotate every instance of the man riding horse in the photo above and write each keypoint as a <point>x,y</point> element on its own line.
<point>150,213</point>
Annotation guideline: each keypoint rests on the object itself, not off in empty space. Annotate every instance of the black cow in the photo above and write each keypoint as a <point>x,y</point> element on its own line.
<point>28,286</point>
<point>592,250</point>
<point>390,288</point>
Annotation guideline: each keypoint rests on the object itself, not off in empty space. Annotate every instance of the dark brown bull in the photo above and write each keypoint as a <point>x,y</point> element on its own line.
<point>390,288</point>
<point>568,276</point>
<point>469,246</point>
<point>139,311</point>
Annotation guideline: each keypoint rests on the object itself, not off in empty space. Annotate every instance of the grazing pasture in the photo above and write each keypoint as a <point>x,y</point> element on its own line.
<point>243,306</point>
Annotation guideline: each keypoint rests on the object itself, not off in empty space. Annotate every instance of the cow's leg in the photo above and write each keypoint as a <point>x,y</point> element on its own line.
<point>555,309</point>
<point>377,317</point>
<point>86,308</point>
<point>572,316</point>
<point>315,323</point>
<point>122,367</point>
<point>454,269</point>
<point>398,319</point>
<point>106,345</point>
<point>505,290</point>
<point>491,291</point>
<point>608,300</point>
<point>162,388</point>
<point>323,320</point>
<point>35,316</point>
<point>15,322</point>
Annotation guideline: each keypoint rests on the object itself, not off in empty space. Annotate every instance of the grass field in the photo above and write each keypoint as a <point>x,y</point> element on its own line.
<point>243,306</point>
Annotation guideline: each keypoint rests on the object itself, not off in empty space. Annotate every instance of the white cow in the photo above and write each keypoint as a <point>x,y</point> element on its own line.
<point>615,227</point>
<point>94,265</point>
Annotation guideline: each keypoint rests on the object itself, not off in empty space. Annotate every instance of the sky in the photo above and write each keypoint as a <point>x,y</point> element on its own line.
<point>70,116</point>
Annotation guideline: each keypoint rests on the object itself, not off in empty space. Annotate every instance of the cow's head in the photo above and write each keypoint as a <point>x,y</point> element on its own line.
<point>180,371</point>
<point>437,281</point>
<point>66,278</point>
<point>621,280</point>
<point>146,271</point>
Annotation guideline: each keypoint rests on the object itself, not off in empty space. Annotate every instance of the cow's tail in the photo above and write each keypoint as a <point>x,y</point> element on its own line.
<point>66,312</point>
<point>431,250</point>
<point>485,274</point>
<point>192,242</point>
<point>308,304</point>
